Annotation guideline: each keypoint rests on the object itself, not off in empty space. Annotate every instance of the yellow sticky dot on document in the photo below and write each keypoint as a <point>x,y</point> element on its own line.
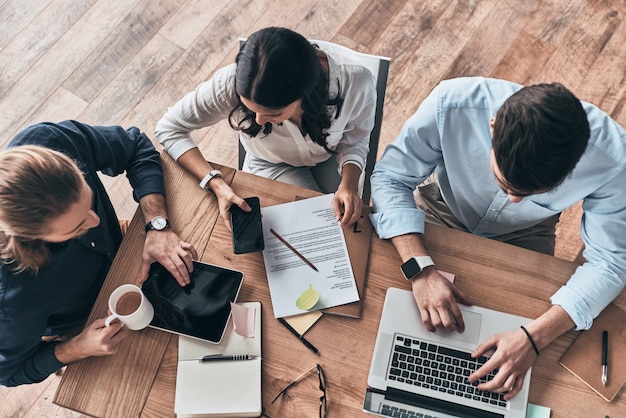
<point>308,299</point>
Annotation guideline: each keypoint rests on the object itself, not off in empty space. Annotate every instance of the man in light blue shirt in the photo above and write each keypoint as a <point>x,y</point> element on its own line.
<point>509,158</point>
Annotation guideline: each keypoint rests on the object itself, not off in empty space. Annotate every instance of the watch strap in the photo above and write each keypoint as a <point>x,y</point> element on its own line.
<point>149,226</point>
<point>424,261</point>
<point>421,263</point>
<point>212,174</point>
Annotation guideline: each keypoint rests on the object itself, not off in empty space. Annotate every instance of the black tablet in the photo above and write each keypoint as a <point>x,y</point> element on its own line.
<point>201,309</point>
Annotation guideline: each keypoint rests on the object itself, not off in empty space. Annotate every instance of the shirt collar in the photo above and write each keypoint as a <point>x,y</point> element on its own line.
<point>333,77</point>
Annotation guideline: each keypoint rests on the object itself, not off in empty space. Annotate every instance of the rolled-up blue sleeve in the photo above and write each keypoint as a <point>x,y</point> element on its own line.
<point>397,213</point>
<point>405,164</point>
<point>602,277</point>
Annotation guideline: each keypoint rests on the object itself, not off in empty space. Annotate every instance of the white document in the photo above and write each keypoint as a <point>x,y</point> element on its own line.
<point>220,388</point>
<point>311,228</point>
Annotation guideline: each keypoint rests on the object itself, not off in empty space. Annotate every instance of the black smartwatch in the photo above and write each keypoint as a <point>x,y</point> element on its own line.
<point>158,223</point>
<point>414,266</point>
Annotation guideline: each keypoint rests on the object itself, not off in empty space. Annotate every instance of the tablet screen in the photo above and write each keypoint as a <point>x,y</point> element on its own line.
<point>201,309</point>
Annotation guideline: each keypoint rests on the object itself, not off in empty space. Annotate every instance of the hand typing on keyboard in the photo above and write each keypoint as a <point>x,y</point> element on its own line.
<point>511,359</point>
<point>440,368</point>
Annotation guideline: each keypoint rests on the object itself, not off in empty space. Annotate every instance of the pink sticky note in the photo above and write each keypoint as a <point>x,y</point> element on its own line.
<point>243,320</point>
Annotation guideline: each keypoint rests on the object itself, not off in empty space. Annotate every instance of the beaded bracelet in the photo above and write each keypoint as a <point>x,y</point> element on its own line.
<point>530,339</point>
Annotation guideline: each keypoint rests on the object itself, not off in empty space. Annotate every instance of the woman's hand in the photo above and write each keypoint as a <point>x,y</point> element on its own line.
<point>226,198</point>
<point>347,204</point>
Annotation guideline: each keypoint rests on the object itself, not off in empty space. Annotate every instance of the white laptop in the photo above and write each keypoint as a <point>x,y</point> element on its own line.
<point>415,371</point>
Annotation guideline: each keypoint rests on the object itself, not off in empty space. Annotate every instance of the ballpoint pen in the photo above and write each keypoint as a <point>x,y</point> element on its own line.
<point>605,352</point>
<point>233,357</point>
<point>296,252</point>
<point>297,334</point>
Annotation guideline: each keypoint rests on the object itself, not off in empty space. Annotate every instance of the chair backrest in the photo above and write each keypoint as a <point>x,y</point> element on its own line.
<point>379,67</point>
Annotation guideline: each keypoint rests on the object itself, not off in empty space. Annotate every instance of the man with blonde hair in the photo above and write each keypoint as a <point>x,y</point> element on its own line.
<point>59,234</point>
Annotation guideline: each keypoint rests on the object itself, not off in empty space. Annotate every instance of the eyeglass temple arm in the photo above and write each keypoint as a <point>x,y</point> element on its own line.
<point>290,385</point>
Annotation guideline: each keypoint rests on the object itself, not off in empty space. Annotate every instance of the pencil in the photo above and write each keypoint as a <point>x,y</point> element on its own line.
<point>303,258</point>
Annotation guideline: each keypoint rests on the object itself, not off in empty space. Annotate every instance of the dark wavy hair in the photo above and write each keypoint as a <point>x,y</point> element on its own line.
<point>276,67</point>
<point>539,135</point>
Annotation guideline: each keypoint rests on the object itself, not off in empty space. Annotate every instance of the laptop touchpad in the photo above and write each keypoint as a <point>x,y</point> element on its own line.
<point>472,329</point>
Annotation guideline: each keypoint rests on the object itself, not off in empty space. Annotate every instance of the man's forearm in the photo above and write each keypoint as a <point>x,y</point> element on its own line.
<point>409,245</point>
<point>69,351</point>
<point>549,326</point>
<point>153,205</point>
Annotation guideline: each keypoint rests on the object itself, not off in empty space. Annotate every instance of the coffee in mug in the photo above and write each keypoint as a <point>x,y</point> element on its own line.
<point>130,306</point>
<point>128,303</point>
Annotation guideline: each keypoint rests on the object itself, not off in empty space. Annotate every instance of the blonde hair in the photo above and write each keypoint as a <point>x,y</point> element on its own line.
<point>37,185</point>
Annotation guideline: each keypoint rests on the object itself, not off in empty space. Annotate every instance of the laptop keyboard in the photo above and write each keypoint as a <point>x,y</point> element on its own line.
<point>394,411</point>
<point>440,368</point>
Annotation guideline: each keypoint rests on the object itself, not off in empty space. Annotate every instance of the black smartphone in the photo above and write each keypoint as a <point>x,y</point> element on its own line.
<point>247,227</point>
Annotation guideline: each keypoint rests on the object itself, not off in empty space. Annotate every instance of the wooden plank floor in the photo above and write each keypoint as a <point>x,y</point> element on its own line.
<point>125,61</point>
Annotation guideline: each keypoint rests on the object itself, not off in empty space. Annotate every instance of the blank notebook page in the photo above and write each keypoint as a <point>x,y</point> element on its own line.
<point>220,388</point>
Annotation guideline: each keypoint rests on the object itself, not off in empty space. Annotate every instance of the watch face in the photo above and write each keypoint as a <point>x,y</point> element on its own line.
<point>159,223</point>
<point>410,269</point>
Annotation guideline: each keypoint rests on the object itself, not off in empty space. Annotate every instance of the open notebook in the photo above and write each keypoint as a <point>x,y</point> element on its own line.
<point>224,388</point>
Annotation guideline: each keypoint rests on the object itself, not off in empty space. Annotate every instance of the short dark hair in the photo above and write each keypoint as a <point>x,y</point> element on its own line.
<point>276,67</point>
<point>539,134</point>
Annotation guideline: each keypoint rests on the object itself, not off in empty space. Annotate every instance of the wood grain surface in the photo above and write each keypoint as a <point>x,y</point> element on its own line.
<point>125,61</point>
<point>494,275</point>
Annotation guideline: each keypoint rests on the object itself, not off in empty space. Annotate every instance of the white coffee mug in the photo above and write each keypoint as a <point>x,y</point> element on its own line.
<point>130,306</point>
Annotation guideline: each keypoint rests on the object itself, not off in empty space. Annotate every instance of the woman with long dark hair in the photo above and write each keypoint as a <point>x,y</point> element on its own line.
<point>300,113</point>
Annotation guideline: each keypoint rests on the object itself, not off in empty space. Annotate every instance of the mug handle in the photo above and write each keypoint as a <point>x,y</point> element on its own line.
<point>110,319</point>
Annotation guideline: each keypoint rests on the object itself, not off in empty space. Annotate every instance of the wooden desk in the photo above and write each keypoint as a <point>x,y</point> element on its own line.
<point>140,379</point>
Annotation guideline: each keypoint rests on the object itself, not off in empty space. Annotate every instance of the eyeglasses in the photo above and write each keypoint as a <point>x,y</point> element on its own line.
<point>322,378</point>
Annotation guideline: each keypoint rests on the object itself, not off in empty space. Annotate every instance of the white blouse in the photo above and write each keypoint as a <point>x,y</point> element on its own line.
<point>213,100</point>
